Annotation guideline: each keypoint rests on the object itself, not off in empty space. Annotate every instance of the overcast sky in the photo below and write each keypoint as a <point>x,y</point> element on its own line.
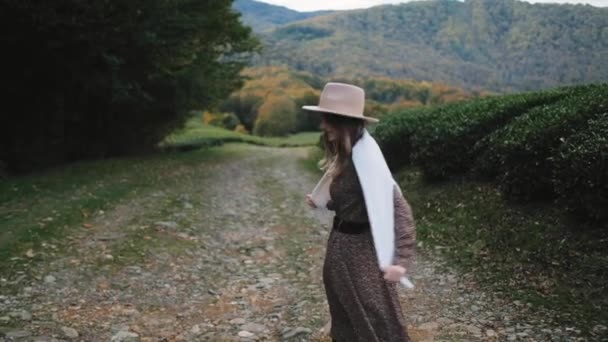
<point>313,5</point>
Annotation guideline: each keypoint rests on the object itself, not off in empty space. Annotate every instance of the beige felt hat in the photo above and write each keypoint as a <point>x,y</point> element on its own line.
<point>342,99</point>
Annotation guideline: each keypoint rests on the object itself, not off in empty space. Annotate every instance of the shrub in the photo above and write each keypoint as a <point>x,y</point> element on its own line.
<point>443,146</point>
<point>244,106</point>
<point>277,117</point>
<point>307,121</point>
<point>241,129</point>
<point>224,120</point>
<point>394,133</point>
<point>487,158</point>
<point>580,173</point>
<point>522,148</point>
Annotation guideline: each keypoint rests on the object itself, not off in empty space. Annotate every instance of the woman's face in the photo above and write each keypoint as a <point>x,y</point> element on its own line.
<point>330,131</point>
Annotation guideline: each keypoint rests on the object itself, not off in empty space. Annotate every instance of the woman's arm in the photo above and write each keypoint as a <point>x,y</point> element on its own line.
<point>405,231</point>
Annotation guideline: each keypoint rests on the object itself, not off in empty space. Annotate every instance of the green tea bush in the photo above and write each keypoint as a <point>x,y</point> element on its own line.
<point>523,148</point>
<point>394,133</point>
<point>488,158</point>
<point>580,170</point>
<point>443,146</point>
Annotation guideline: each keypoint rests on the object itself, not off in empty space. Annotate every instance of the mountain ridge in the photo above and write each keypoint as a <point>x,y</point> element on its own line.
<point>263,16</point>
<point>478,44</point>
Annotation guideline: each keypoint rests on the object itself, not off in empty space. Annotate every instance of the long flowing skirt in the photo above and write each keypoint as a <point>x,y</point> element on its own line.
<point>363,306</point>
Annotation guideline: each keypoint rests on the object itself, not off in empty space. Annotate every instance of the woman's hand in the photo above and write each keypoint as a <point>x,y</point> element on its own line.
<point>310,202</point>
<point>394,273</point>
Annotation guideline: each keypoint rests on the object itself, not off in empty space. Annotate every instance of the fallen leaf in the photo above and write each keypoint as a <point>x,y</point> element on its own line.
<point>88,225</point>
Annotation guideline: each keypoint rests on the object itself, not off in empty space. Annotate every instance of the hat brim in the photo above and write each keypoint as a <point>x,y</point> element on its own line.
<point>329,111</point>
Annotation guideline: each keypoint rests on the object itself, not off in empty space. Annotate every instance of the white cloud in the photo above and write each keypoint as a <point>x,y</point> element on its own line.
<point>313,5</point>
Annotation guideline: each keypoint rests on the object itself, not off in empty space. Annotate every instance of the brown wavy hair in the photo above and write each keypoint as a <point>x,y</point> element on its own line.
<point>338,152</point>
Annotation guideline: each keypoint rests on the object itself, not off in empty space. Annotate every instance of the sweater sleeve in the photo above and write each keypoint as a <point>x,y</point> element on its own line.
<point>405,231</point>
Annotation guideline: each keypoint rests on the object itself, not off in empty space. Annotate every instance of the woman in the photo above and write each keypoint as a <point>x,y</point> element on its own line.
<point>362,297</point>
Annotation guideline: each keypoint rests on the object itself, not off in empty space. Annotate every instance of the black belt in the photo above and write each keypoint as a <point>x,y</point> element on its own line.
<point>349,227</point>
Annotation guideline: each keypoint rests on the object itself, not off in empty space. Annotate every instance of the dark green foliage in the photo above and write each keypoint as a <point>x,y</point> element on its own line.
<point>300,32</point>
<point>307,121</point>
<point>534,145</point>
<point>524,147</point>
<point>394,134</point>
<point>444,144</point>
<point>95,79</point>
<point>487,163</point>
<point>245,107</point>
<point>224,120</point>
<point>580,173</point>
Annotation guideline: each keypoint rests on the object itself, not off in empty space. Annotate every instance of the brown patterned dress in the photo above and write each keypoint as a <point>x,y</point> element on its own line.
<point>363,306</point>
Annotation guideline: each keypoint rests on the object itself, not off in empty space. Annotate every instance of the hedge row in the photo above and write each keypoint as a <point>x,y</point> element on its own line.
<point>488,160</point>
<point>521,151</point>
<point>580,173</point>
<point>394,134</point>
<point>443,145</point>
<point>441,138</point>
<point>536,145</point>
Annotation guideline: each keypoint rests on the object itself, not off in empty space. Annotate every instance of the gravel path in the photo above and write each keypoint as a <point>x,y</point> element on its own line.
<point>232,254</point>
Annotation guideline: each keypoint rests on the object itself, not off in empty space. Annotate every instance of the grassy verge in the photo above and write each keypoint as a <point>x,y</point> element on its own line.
<point>196,134</point>
<point>311,163</point>
<point>531,253</point>
<point>38,211</point>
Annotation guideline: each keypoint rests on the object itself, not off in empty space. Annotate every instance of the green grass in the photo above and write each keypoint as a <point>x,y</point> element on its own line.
<point>139,244</point>
<point>312,162</point>
<point>41,209</point>
<point>196,134</point>
<point>532,253</point>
